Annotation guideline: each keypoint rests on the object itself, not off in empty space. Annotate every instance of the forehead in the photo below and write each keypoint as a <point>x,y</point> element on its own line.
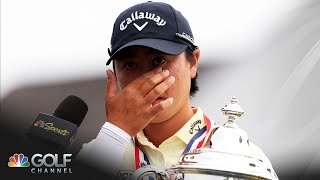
<point>137,52</point>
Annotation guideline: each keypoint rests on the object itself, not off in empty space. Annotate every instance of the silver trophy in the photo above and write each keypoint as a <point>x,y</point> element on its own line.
<point>227,156</point>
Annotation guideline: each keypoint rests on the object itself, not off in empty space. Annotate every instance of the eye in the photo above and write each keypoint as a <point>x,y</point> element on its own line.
<point>130,65</point>
<point>158,61</point>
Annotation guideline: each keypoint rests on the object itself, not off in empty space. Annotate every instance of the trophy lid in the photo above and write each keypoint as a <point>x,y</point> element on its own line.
<point>230,138</point>
<point>232,110</point>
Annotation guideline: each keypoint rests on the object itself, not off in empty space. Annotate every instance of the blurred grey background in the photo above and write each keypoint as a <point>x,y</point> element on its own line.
<point>265,53</point>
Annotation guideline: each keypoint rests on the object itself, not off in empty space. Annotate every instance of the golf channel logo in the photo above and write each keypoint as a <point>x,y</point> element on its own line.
<point>48,163</point>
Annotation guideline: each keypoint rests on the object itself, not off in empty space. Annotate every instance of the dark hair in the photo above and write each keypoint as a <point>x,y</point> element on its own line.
<point>194,85</point>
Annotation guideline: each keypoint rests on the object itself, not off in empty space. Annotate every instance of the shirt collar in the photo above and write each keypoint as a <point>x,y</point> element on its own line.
<point>195,123</point>
<point>185,134</point>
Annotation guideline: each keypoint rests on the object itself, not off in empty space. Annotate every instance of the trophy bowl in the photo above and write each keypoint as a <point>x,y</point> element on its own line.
<point>206,163</point>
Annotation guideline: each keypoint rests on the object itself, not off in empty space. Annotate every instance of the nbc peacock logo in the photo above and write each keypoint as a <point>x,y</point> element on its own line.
<point>18,160</point>
<point>39,123</point>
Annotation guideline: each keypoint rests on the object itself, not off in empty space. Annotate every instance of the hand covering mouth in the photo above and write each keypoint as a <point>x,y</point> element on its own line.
<point>158,100</point>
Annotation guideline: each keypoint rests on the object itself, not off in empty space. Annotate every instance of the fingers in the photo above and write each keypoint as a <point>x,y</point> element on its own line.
<point>159,89</point>
<point>156,109</point>
<point>137,83</point>
<point>152,81</point>
<point>111,85</point>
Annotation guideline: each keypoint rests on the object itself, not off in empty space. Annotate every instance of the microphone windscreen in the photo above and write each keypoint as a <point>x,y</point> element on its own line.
<point>72,109</point>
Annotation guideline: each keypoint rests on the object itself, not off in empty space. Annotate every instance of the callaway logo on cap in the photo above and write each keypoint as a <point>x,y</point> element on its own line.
<point>141,15</point>
<point>155,25</point>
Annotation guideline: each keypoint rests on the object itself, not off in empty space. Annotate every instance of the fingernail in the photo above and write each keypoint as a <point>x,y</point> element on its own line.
<point>166,72</point>
<point>172,79</point>
<point>108,72</point>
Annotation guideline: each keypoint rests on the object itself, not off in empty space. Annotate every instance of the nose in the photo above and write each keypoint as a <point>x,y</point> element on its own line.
<point>147,68</point>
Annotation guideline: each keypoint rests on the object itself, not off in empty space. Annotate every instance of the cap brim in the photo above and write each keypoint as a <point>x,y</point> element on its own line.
<point>168,47</point>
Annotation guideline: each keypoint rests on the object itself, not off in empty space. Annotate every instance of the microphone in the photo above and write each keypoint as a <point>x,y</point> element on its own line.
<point>60,128</point>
